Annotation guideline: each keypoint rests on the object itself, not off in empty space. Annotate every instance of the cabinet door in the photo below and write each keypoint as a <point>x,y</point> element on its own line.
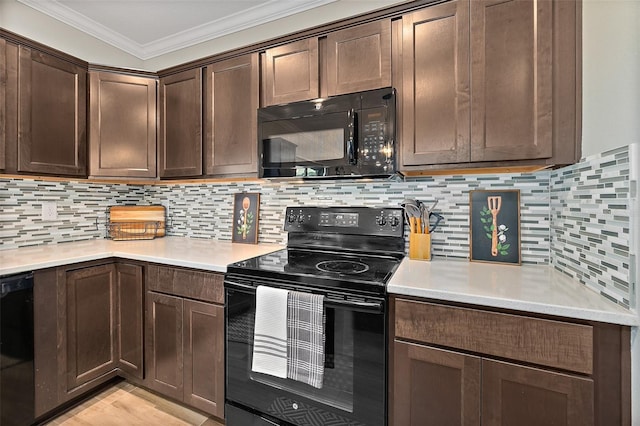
<point>129,318</point>
<point>435,92</point>
<point>3,102</point>
<point>291,72</point>
<point>434,387</point>
<point>204,356</point>
<point>51,115</point>
<point>122,125</point>
<point>180,132</point>
<point>91,317</point>
<point>511,79</point>
<point>359,58</point>
<point>164,344</point>
<point>232,98</point>
<point>524,396</point>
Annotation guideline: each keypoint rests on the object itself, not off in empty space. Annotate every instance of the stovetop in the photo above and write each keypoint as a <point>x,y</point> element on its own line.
<point>348,271</point>
<point>353,249</point>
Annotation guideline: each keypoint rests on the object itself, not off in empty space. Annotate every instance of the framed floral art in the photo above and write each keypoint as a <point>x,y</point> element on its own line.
<point>495,226</point>
<point>245,218</point>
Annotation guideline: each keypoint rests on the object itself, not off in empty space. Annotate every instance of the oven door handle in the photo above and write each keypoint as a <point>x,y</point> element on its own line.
<point>347,304</point>
<point>237,285</point>
<point>355,305</point>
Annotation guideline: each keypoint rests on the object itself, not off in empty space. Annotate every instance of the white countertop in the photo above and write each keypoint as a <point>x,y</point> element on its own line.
<point>530,288</point>
<point>206,254</point>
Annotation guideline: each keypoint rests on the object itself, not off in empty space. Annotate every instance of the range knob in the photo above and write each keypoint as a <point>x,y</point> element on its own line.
<point>381,221</point>
<point>291,218</point>
<point>300,219</point>
<point>395,221</point>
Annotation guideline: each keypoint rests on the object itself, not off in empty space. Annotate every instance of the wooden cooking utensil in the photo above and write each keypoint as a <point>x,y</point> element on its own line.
<point>494,204</point>
<point>412,225</point>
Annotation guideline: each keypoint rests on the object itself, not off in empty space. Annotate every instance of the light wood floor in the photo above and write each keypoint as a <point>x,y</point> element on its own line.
<point>126,404</point>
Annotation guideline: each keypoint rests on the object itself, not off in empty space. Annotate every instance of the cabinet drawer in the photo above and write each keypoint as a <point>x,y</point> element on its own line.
<point>207,286</point>
<point>545,342</point>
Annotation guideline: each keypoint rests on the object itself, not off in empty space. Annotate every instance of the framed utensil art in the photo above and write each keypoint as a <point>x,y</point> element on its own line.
<point>495,226</point>
<point>246,207</point>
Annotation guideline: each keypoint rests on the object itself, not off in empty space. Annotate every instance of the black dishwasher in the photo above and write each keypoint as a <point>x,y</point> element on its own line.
<point>16,346</point>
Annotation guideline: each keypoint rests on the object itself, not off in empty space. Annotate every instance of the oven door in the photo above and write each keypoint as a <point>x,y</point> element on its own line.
<point>308,146</point>
<point>354,388</point>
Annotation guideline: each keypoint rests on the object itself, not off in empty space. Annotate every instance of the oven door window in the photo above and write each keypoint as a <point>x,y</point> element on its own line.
<point>315,141</point>
<point>353,390</point>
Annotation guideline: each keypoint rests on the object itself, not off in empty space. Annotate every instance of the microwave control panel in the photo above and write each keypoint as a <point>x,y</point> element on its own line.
<point>375,146</point>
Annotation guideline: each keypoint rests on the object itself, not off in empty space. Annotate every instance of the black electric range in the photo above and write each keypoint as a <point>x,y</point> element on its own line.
<point>347,255</point>
<point>354,249</point>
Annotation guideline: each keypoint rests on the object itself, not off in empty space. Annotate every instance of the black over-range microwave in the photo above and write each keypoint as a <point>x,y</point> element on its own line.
<point>341,136</point>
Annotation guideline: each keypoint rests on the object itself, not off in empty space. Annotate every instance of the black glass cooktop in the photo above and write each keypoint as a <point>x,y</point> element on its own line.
<point>321,268</point>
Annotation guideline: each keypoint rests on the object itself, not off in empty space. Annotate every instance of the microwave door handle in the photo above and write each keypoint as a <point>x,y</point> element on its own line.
<point>351,142</point>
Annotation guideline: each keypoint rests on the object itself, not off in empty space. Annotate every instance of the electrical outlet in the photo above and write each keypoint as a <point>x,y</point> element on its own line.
<point>49,210</point>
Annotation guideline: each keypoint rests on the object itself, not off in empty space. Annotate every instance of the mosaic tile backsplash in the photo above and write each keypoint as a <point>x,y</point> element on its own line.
<point>575,218</point>
<point>206,210</point>
<point>590,223</point>
<point>78,206</point>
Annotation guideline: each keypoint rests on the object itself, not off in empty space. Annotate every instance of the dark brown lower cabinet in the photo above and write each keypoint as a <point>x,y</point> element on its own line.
<point>439,387</point>
<point>455,365</point>
<point>88,329</point>
<point>94,321</point>
<point>90,323</point>
<point>525,396</point>
<point>203,327</point>
<point>435,387</point>
<point>164,344</point>
<point>185,337</point>
<point>130,319</point>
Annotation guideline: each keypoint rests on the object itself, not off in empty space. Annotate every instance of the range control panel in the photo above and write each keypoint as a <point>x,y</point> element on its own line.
<point>345,220</point>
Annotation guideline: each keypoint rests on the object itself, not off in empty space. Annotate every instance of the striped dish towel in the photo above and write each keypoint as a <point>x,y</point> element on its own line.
<point>305,340</point>
<point>270,332</point>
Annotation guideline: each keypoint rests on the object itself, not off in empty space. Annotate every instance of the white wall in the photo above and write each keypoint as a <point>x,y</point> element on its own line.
<point>311,18</point>
<point>23,20</point>
<point>37,26</point>
<point>611,74</point>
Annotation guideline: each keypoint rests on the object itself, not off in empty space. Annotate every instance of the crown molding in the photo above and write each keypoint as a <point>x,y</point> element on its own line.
<point>270,11</point>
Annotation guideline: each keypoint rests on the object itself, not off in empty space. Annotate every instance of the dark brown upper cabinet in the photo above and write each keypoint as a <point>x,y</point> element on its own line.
<point>435,92</point>
<point>122,125</point>
<point>359,58</point>
<point>349,60</point>
<point>52,115</point>
<point>3,102</point>
<point>291,72</point>
<point>180,130</point>
<point>489,83</point>
<point>231,103</point>
<point>511,80</point>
